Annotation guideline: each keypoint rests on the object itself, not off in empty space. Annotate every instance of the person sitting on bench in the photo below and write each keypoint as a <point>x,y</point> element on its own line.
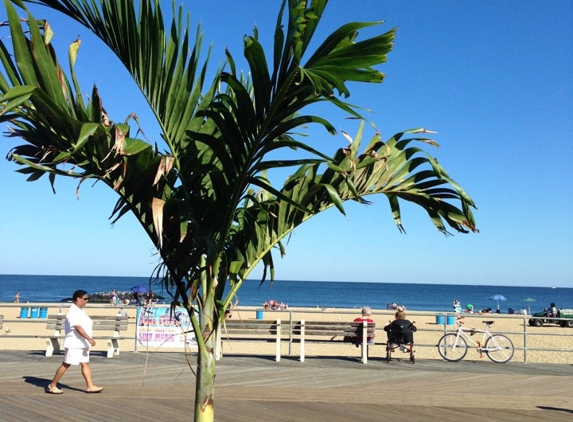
<point>366,312</point>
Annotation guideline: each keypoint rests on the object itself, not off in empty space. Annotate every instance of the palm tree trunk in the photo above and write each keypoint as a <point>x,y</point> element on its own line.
<point>205,383</point>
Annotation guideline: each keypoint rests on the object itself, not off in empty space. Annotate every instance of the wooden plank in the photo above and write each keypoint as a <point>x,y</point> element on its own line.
<point>332,329</point>
<point>318,391</point>
<point>109,317</point>
<point>254,328</point>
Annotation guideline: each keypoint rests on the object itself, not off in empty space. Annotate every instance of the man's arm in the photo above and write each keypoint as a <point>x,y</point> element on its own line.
<point>82,333</point>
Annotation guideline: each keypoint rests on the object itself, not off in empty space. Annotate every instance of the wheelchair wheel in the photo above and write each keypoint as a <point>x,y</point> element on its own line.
<point>499,348</point>
<point>452,348</point>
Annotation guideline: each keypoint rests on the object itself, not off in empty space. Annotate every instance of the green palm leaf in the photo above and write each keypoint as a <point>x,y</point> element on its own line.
<point>207,202</point>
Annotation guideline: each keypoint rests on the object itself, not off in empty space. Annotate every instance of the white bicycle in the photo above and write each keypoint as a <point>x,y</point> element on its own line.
<point>453,347</point>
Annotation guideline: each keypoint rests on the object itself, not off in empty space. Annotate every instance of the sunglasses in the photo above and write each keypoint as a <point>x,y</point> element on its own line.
<point>85,298</point>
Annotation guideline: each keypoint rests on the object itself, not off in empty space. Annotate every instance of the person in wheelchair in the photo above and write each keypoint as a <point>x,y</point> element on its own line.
<point>400,335</point>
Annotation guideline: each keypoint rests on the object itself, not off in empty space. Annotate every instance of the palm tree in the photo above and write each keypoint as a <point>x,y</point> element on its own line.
<point>208,202</point>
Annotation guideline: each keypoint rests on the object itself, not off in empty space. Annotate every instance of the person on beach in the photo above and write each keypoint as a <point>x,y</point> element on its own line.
<point>230,308</point>
<point>149,298</point>
<point>112,297</point>
<point>396,307</point>
<point>551,311</point>
<point>365,314</point>
<point>17,298</point>
<point>77,343</point>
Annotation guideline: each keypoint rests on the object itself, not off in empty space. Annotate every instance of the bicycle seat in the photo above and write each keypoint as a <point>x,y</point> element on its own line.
<point>488,322</point>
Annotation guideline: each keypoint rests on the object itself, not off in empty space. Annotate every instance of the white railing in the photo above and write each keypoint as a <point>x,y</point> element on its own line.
<point>446,322</point>
<point>527,339</point>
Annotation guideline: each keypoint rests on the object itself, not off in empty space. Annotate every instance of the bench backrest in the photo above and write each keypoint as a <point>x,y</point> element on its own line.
<point>249,327</point>
<point>346,329</point>
<point>101,322</point>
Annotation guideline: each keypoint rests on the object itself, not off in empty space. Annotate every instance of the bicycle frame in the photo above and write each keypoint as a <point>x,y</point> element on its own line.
<point>479,345</point>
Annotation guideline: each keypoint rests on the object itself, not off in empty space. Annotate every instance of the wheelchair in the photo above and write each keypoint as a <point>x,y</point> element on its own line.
<point>400,338</point>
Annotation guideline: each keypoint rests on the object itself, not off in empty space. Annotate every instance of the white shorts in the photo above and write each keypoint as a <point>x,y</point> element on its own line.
<point>77,356</point>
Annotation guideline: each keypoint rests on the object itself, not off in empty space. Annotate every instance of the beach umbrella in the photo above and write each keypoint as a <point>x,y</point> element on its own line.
<point>497,298</point>
<point>139,289</point>
<point>528,300</point>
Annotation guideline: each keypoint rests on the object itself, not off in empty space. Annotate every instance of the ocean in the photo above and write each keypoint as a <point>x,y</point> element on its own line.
<point>421,297</point>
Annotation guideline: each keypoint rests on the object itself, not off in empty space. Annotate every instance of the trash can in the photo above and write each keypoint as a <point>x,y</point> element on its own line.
<point>440,319</point>
<point>260,314</point>
<point>34,312</point>
<point>450,320</point>
<point>24,311</point>
<point>43,312</point>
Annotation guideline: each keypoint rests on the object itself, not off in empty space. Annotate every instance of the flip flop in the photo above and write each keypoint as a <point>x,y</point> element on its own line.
<point>54,390</point>
<point>95,390</point>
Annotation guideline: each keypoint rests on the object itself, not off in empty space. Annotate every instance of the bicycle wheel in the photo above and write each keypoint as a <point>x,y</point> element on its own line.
<point>499,348</point>
<point>452,348</point>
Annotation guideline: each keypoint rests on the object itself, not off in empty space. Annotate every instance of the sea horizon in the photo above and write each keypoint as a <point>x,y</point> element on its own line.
<point>296,293</point>
<point>486,283</point>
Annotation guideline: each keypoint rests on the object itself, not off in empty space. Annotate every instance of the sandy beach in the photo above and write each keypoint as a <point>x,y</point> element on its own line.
<point>17,333</point>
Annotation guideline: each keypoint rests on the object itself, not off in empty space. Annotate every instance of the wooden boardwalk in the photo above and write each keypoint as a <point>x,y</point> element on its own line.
<point>158,386</point>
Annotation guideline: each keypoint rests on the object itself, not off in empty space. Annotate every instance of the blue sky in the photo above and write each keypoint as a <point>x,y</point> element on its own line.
<point>492,78</point>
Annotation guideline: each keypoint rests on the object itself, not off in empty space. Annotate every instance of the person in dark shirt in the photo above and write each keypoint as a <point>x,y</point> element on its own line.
<point>401,330</point>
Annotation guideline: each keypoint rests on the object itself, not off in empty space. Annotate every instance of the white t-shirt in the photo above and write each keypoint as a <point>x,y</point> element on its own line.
<point>77,316</point>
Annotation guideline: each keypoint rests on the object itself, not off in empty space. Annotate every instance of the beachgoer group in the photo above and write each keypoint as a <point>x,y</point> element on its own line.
<point>469,309</point>
<point>273,305</point>
<point>485,311</point>
<point>395,307</point>
<point>138,299</point>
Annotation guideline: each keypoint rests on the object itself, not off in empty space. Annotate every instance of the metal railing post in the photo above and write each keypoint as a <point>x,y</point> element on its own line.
<point>290,333</point>
<point>524,340</point>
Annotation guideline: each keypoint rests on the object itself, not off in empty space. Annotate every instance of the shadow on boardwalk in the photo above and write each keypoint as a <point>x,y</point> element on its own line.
<point>159,386</point>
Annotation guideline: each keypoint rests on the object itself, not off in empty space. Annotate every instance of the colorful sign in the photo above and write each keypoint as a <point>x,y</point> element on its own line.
<point>157,328</point>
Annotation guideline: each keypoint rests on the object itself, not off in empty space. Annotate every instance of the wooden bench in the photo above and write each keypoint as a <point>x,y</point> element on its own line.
<point>250,330</point>
<point>328,332</point>
<point>111,323</point>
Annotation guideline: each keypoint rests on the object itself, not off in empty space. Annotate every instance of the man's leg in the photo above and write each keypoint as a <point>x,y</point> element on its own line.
<point>59,374</point>
<point>87,373</point>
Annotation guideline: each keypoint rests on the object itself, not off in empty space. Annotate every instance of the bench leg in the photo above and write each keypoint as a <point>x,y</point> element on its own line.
<point>52,346</point>
<point>278,342</point>
<point>112,347</point>
<point>364,353</point>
